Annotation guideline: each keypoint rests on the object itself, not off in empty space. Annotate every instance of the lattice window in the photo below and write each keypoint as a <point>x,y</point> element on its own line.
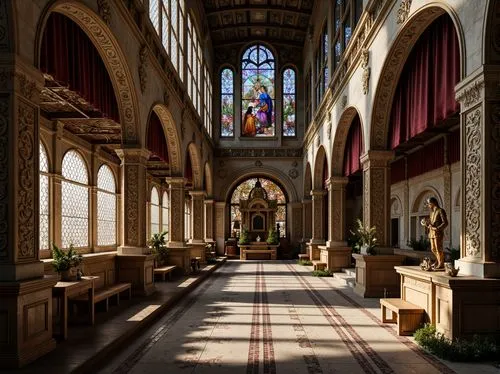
<point>346,14</point>
<point>44,199</point>
<point>106,207</point>
<point>154,212</point>
<point>194,63</point>
<point>208,102</point>
<point>165,213</point>
<point>289,103</point>
<point>75,201</point>
<point>322,66</point>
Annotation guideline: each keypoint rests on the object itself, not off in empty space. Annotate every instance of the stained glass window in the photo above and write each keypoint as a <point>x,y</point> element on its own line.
<point>289,103</point>
<point>274,192</point>
<point>106,207</point>
<point>44,199</point>
<point>208,102</point>
<point>227,102</point>
<point>257,104</point>
<point>75,201</point>
<point>165,213</point>
<point>154,212</point>
<point>322,66</point>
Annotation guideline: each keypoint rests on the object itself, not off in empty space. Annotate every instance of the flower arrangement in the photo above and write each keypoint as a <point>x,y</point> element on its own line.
<point>367,239</point>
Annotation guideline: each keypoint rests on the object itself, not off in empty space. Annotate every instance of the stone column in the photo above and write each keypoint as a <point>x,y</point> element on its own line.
<point>135,263</point>
<point>317,224</point>
<point>209,220</point>
<point>479,99</point>
<point>25,293</point>
<point>307,219</point>
<point>220,225</point>
<point>197,223</point>
<point>377,193</point>
<point>179,254</point>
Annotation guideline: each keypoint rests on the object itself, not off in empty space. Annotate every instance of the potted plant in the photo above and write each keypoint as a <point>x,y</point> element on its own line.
<point>367,240</point>
<point>272,237</point>
<point>65,262</point>
<point>244,236</point>
<point>157,243</point>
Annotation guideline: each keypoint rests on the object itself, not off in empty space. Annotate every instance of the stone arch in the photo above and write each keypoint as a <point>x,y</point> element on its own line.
<point>427,191</point>
<point>491,47</point>
<point>112,56</point>
<point>396,207</point>
<point>307,181</point>
<point>194,154</point>
<point>269,172</point>
<point>171,136</point>
<point>394,63</point>
<point>319,164</point>
<point>208,179</point>
<point>340,139</point>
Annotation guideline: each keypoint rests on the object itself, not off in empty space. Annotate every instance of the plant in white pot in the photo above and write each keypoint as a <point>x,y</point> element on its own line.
<point>158,246</point>
<point>367,239</point>
<point>66,262</point>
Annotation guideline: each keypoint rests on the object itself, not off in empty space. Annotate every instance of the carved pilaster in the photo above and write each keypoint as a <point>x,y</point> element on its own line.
<point>176,224</point>
<point>377,193</point>
<point>197,215</point>
<point>365,58</point>
<point>307,219</point>
<point>318,211</point>
<point>143,67</point>
<point>447,201</point>
<point>336,211</point>
<point>133,209</point>
<point>209,220</point>
<point>480,128</point>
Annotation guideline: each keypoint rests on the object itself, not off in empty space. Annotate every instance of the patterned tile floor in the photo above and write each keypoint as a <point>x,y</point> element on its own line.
<point>273,317</point>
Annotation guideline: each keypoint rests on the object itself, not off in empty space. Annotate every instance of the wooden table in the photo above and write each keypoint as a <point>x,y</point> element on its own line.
<point>64,290</point>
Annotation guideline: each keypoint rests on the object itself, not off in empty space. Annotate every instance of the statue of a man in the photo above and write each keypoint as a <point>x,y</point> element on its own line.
<point>436,224</point>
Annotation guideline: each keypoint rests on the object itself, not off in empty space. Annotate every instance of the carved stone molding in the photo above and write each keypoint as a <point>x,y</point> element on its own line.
<point>258,163</point>
<point>365,57</point>
<point>329,127</point>
<point>343,102</point>
<point>4,175</point>
<point>143,67</point>
<point>131,174</point>
<point>403,11</point>
<point>173,142</point>
<point>293,173</point>
<point>115,63</point>
<point>27,87</point>
<point>473,178</point>
<point>104,11</point>
<point>494,184</point>
<point>471,95</point>
<point>258,152</point>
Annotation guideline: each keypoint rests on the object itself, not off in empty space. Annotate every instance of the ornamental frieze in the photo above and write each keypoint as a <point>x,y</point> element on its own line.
<point>258,152</point>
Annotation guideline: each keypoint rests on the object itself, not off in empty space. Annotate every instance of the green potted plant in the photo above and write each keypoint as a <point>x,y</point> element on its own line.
<point>158,246</point>
<point>367,240</point>
<point>272,237</point>
<point>65,262</point>
<point>244,236</point>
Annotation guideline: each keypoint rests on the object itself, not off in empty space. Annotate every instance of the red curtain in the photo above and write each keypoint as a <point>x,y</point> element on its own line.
<point>70,57</point>
<point>426,159</point>
<point>398,171</point>
<point>156,138</point>
<point>454,147</point>
<point>353,148</point>
<point>425,94</point>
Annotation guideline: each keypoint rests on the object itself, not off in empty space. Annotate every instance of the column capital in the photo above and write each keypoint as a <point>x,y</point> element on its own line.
<point>176,181</point>
<point>133,155</point>
<point>317,194</point>
<point>307,201</point>
<point>209,201</point>
<point>220,203</point>
<point>336,181</point>
<point>197,194</point>
<point>376,158</point>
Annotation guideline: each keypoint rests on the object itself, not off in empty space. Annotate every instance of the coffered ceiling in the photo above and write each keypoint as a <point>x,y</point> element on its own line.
<point>275,21</point>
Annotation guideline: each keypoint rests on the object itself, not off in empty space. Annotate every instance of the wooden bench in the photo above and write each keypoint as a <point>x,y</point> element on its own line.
<point>303,256</point>
<point>318,265</point>
<point>106,293</point>
<point>408,316</point>
<point>195,264</point>
<point>164,270</point>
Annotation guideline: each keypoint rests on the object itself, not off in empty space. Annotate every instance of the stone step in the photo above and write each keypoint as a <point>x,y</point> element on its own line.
<point>346,279</point>
<point>350,271</point>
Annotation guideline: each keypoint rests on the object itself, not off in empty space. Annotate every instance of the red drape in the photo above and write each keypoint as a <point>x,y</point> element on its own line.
<point>398,172</point>
<point>454,147</point>
<point>353,148</point>
<point>425,94</point>
<point>70,57</point>
<point>156,138</point>
<point>426,159</point>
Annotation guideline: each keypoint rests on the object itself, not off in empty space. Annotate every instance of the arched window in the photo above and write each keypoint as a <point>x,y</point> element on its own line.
<point>257,92</point>
<point>44,199</point>
<point>106,207</point>
<point>75,201</point>
<point>289,102</point>
<point>322,76</point>
<point>154,212</point>
<point>227,102</point>
<point>187,219</point>
<point>167,18</point>
<point>208,102</point>
<point>274,192</point>
<point>195,64</point>
<point>165,213</point>
<point>346,14</point>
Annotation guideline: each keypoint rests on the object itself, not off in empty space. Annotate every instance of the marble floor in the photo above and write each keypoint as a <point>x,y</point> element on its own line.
<point>274,317</point>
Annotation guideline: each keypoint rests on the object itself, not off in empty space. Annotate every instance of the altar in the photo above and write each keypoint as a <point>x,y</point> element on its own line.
<point>258,251</point>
